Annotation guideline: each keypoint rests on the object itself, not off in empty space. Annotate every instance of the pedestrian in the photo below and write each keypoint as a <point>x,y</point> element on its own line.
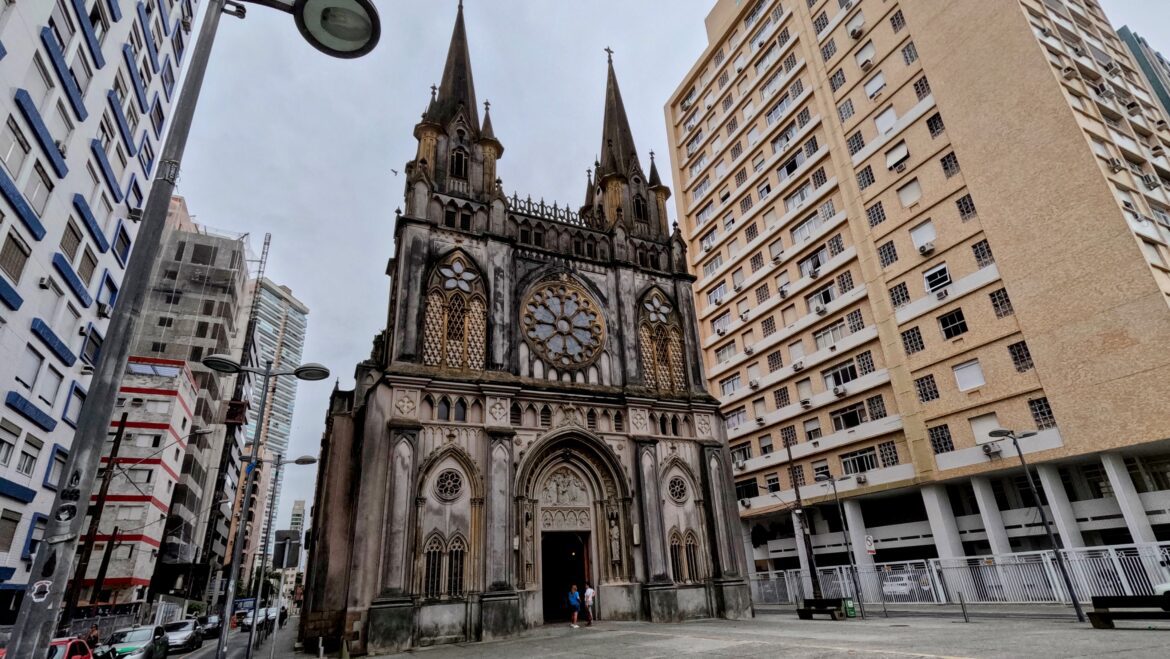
<point>283,616</point>
<point>589,593</point>
<point>574,604</point>
<point>94,637</point>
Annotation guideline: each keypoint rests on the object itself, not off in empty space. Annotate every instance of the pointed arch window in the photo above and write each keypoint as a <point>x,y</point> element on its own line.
<point>456,553</point>
<point>676,558</point>
<point>515,415</point>
<point>444,410</point>
<point>619,424</point>
<point>660,333</point>
<point>459,163</point>
<point>545,417</point>
<point>433,567</point>
<point>640,213</point>
<point>455,326</point>
<point>691,555</point>
<point>460,410</point>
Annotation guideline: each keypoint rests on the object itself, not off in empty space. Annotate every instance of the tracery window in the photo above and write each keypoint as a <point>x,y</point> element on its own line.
<point>563,324</point>
<point>444,567</point>
<point>455,555</point>
<point>433,567</point>
<point>662,345</point>
<point>455,329</point>
<point>685,563</point>
<point>676,561</point>
<point>694,565</point>
<point>459,163</point>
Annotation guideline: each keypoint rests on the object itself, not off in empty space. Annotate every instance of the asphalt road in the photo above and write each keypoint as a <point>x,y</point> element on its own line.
<point>238,641</point>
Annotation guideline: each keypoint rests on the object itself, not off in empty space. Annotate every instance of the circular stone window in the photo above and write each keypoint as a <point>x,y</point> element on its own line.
<point>677,488</point>
<point>449,485</point>
<point>563,324</point>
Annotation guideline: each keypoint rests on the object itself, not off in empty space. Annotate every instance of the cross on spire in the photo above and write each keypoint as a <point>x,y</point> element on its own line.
<point>487,105</point>
<point>609,53</point>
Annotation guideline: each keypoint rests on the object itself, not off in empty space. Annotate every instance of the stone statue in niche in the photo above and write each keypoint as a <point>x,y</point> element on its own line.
<point>563,488</point>
<point>615,541</point>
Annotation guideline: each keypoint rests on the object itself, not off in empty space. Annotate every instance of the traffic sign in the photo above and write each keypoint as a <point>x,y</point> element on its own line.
<point>869,548</point>
<point>245,604</point>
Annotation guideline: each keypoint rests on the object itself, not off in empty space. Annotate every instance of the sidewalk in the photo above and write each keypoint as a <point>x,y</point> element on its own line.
<point>874,610</point>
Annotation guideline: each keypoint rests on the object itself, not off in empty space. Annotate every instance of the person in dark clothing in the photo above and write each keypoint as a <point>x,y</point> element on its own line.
<point>574,604</point>
<point>283,616</point>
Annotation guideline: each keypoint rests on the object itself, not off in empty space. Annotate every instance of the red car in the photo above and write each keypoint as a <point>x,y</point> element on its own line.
<point>66,648</point>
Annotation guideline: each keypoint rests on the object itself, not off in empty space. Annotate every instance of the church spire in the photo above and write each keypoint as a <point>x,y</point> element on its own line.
<point>618,154</point>
<point>456,89</point>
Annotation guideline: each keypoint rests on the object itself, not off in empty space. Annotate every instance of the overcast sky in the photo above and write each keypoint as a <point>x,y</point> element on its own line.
<point>293,142</point>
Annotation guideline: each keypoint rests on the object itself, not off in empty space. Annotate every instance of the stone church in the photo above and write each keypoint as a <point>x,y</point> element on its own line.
<point>534,416</point>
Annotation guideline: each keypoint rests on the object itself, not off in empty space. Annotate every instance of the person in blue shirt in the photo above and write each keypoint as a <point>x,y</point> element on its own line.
<point>574,604</point>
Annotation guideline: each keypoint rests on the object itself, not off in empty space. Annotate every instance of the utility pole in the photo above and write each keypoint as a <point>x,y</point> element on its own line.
<point>105,565</point>
<point>95,519</point>
<point>804,534</point>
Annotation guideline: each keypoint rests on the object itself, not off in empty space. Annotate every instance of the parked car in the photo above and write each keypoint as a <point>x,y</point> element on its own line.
<point>265,617</point>
<point>212,626</point>
<point>903,585</point>
<point>184,635</point>
<point>140,642</point>
<point>66,648</point>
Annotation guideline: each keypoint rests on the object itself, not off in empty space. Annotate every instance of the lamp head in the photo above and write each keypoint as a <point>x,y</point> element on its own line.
<point>222,364</point>
<point>200,431</point>
<point>822,478</point>
<point>1000,432</point>
<point>305,460</point>
<point>340,28</point>
<point>311,372</point>
<point>1028,433</point>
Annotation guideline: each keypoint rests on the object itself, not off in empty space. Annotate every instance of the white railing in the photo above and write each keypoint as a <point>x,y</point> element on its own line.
<point>1025,577</point>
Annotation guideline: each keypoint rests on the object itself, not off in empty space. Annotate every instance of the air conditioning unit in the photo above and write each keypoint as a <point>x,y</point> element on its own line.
<point>1069,72</point>
<point>137,402</point>
<point>1158,151</point>
<point>783,293</point>
<point>861,479</point>
<point>763,42</point>
<point>718,301</point>
<point>738,287</point>
<point>746,503</point>
<point>814,273</point>
<point>1115,165</point>
<point>839,391</point>
<point>1046,32</point>
<point>1078,51</point>
<point>754,384</point>
<point>60,146</point>
<point>721,331</point>
<point>1161,124</point>
<point>83,330</point>
<point>749,350</point>
<point>44,283</point>
<point>186,24</point>
<point>776,260</point>
<point>743,315</point>
<point>1150,180</point>
<point>739,465</point>
<point>805,403</point>
<point>103,310</point>
<point>992,449</point>
<point>706,248</point>
<point>867,65</point>
<point>739,69</point>
<point>926,249</point>
<point>708,106</point>
<point>856,33</point>
<point>759,420</point>
<point>1112,68</point>
<point>798,366</point>
<point>900,167</point>
<point>134,215</point>
<point>942,293</point>
<point>1133,108</point>
<point>820,309</point>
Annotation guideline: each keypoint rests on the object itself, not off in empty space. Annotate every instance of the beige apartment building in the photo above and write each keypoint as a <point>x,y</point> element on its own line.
<point>913,222</point>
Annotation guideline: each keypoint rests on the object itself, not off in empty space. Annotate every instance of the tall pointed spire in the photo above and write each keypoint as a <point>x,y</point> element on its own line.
<point>617,141</point>
<point>456,89</point>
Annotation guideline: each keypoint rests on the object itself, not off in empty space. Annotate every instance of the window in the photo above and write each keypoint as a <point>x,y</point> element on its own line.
<point>722,322</point>
<point>922,88</point>
<point>935,125</point>
<point>735,418</point>
<point>9,520</point>
<point>969,375</point>
<point>757,261</point>
<point>952,324</point>
<point>1001,303</point>
<point>855,321</point>
<point>887,254</point>
<point>821,468</point>
<point>876,406</point>
<point>940,439</point>
<point>910,193</point>
<point>845,282</point>
<point>93,346</point>
<point>839,374</point>
<point>888,451</point>
<point>748,489</point>
<point>13,256</point>
<point>87,266</point>
<point>780,397</point>
<point>73,406</point>
<point>898,155</point>
<point>14,147</point>
<point>50,386</point>
<point>29,367</point>
<point>950,164</point>
<point>885,121</point>
<point>27,463</point>
<point>38,188</point>
<point>927,388</point>
<point>909,53</point>
<point>837,80</point>
<point>856,142</point>
<point>768,326</point>
<point>876,214</point>
<point>715,295</point>
<point>729,385</point>
<point>857,462</point>
<point>864,56</point>
<point>762,294</point>
<point>923,234</point>
<point>812,429</point>
<point>1021,356</point>
<point>788,436</point>
<point>875,85</point>
<point>775,361</point>
<point>983,255</point>
<point>937,278</point>
<point>899,295</point>
<point>828,50</point>
<point>845,110</point>
<point>865,177</point>
<point>820,22</point>
<point>1042,413</point>
<point>912,341</point>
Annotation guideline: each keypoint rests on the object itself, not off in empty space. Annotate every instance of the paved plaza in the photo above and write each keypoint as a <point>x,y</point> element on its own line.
<point>771,635</point>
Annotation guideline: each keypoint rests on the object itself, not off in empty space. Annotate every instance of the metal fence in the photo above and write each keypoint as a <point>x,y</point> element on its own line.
<point>1020,578</point>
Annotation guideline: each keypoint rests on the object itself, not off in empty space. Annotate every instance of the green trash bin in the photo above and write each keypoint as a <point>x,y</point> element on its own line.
<point>850,608</point>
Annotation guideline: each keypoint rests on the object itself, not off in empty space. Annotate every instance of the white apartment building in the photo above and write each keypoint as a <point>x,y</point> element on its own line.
<point>87,90</point>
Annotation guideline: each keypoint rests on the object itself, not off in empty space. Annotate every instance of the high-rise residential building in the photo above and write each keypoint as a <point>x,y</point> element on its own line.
<point>280,338</point>
<point>1151,62</point>
<point>158,397</point>
<point>89,89</point>
<point>912,223</point>
<point>197,306</point>
<point>297,522</point>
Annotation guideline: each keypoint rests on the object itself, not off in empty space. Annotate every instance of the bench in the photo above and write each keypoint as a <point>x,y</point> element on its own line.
<point>1135,607</point>
<point>833,606</point>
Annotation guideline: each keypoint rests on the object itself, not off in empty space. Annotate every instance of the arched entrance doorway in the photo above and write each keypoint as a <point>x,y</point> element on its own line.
<point>574,511</point>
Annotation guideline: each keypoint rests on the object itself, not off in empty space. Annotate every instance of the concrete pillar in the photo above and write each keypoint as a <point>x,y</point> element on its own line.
<point>989,513</point>
<point>1058,504</point>
<point>745,529</point>
<point>1128,498</point>
<point>942,522</point>
<point>802,554</point>
<point>868,579</point>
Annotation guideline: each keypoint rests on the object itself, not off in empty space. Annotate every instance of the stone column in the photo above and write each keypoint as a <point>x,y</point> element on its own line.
<point>867,576</point>
<point>990,514</point>
<point>391,616</point>
<point>1128,498</point>
<point>498,523</point>
<point>802,554</point>
<point>942,522</point>
<point>1060,507</point>
<point>653,537</point>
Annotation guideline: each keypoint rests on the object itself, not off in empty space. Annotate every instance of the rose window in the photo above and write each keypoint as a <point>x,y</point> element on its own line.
<point>564,325</point>
<point>677,488</point>
<point>449,485</point>
<point>657,311</point>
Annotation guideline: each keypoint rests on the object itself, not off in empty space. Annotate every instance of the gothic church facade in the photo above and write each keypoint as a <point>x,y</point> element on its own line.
<point>534,416</point>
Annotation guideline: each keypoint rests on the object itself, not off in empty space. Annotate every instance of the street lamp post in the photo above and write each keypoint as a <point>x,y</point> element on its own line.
<point>1072,594</point>
<point>225,364</point>
<point>848,544</point>
<point>341,28</point>
<point>805,535</point>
